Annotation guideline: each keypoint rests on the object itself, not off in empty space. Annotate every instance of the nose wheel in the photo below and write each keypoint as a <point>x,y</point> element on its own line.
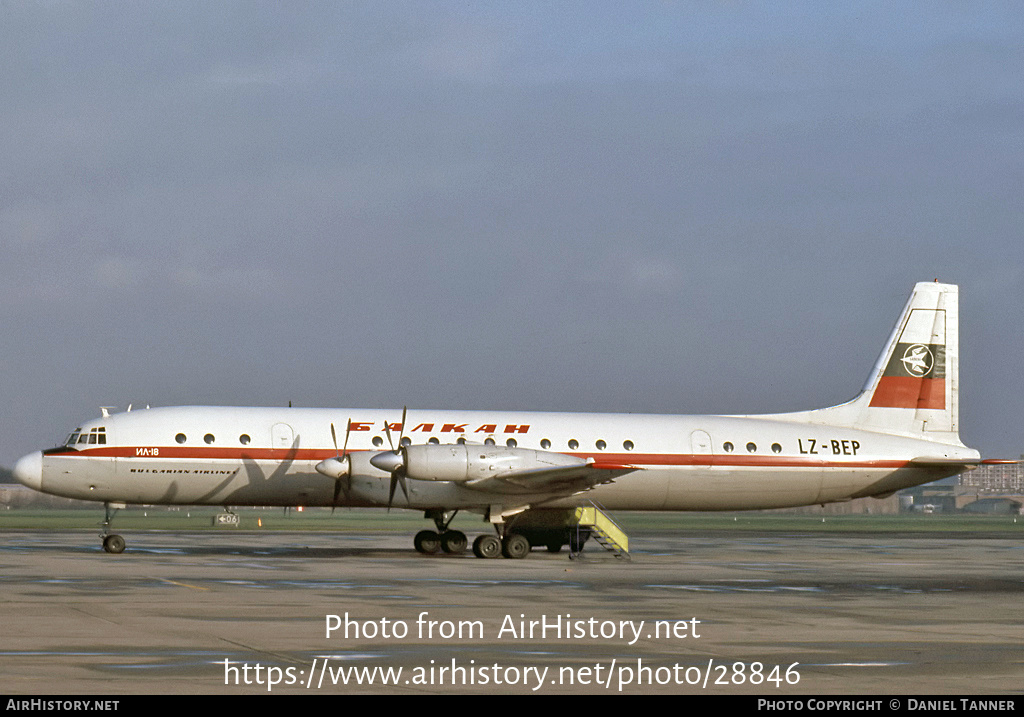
<point>113,544</point>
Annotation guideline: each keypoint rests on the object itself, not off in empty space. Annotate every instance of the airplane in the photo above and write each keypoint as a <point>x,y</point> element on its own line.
<point>524,471</point>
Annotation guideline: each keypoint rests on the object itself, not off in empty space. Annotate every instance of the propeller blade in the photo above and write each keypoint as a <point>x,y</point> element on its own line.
<point>397,478</point>
<point>393,461</point>
<point>348,430</point>
<point>339,465</point>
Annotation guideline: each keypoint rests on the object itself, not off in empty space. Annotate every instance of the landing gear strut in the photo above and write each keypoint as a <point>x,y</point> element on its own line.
<point>111,543</point>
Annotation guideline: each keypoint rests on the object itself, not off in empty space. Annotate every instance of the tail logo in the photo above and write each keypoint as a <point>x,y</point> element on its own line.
<point>918,360</point>
<point>914,378</point>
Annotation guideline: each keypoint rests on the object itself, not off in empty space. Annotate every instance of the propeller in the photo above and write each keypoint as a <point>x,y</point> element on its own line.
<point>393,461</point>
<point>339,467</point>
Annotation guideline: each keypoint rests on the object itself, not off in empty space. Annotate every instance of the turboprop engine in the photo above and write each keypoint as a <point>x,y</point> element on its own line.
<point>468,462</point>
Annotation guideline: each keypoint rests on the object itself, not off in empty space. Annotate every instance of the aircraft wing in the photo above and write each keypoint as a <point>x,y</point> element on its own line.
<point>560,479</point>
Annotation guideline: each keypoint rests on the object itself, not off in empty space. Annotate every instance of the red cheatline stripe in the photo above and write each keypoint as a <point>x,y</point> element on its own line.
<point>604,461</point>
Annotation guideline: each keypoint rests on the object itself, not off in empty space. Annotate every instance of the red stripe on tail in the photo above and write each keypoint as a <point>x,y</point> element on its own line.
<point>910,392</point>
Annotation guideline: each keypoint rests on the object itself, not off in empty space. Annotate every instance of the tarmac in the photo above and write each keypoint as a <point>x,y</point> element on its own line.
<point>773,614</point>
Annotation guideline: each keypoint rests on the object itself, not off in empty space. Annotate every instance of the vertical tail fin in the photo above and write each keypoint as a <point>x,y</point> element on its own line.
<point>914,387</point>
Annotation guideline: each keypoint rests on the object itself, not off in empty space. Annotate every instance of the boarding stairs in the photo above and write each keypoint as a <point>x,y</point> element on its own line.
<point>603,529</point>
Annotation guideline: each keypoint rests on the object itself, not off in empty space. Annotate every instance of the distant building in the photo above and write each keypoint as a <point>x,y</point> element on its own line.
<point>1001,479</point>
<point>994,506</point>
<point>991,489</point>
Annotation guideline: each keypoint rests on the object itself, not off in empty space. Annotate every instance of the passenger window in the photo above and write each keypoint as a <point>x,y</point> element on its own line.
<point>244,439</point>
<point>209,438</point>
<point>628,445</point>
<point>728,447</point>
<point>180,438</point>
<point>545,444</point>
<point>751,447</point>
<point>601,445</point>
<point>574,444</point>
<point>511,443</point>
<point>776,448</point>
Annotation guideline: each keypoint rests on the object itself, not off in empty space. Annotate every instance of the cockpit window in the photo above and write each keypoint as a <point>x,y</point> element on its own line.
<point>73,438</point>
<point>95,436</point>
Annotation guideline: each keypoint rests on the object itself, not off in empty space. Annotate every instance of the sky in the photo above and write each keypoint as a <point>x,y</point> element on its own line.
<point>664,207</point>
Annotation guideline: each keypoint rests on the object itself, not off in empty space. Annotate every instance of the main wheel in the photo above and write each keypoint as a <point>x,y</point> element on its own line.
<point>427,542</point>
<point>454,541</point>
<point>515,546</point>
<point>487,546</point>
<point>113,544</point>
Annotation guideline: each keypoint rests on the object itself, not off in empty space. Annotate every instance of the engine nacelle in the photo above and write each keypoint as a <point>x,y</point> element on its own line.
<point>466,462</point>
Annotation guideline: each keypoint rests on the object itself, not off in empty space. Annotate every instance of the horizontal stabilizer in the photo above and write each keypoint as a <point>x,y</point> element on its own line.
<point>944,461</point>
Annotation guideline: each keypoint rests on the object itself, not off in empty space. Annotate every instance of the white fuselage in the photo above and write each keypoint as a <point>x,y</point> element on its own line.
<point>195,455</point>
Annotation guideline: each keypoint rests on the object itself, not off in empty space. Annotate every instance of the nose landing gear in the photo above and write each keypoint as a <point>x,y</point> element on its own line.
<point>111,543</point>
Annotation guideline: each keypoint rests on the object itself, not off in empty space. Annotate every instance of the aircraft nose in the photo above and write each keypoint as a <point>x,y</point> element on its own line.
<point>29,470</point>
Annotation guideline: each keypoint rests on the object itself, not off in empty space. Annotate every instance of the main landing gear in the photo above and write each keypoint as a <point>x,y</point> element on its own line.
<point>513,545</point>
<point>450,541</point>
<point>428,542</point>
